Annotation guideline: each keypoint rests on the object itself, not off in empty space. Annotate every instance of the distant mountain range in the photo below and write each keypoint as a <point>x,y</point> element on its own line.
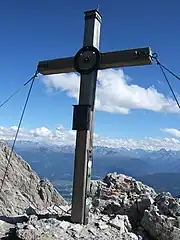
<point>159,169</point>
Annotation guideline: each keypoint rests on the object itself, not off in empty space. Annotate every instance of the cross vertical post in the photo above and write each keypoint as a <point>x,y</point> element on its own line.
<point>88,61</point>
<point>84,138</point>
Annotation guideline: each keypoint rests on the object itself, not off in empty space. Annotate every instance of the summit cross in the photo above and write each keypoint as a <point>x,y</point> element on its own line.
<point>87,62</point>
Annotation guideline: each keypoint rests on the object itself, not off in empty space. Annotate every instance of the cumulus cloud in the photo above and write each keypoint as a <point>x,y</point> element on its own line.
<point>62,136</point>
<point>59,136</point>
<point>114,92</point>
<point>172,132</point>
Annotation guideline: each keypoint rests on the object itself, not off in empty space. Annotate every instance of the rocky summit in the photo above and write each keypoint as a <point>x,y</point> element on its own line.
<point>120,208</point>
<point>22,188</point>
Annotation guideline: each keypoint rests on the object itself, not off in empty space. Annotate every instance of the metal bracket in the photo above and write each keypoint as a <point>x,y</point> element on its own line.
<point>87,59</point>
<point>81,117</point>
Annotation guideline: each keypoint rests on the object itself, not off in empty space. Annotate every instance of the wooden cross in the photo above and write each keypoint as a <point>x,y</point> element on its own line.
<point>88,62</point>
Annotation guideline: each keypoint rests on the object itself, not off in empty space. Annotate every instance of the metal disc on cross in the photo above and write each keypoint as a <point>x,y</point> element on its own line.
<point>86,60</point>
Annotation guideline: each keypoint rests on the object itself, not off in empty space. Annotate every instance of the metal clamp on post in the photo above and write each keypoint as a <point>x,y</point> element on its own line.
<point>89,171</point>
<point>87,59</point>
<point>88,183</point>
<point>81,117</point>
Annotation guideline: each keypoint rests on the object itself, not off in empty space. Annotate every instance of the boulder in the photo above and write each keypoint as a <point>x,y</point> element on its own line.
<point>120,194</point>
<point>22,187</point>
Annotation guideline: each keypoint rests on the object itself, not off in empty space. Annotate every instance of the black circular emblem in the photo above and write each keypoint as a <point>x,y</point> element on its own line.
<point>86,60</point>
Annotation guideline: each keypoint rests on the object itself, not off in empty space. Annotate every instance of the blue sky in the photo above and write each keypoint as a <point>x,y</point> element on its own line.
<point>39,30</point>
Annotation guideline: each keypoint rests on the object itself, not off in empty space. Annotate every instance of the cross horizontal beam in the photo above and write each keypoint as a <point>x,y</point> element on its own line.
<point>124,58</point>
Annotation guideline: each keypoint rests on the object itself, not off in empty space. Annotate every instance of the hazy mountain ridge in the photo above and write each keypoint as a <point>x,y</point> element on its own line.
<point>157,160</point>
<point>57,162</point>
<point>99,150</point>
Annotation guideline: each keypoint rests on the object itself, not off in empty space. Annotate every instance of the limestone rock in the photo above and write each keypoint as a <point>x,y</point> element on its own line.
<point>123,195</point>
<point>159,226</point>
<point>168,205</point>
<point>118,222</point>
<point>22,186</point>
<point>4,228</point>
<point>62,229</point>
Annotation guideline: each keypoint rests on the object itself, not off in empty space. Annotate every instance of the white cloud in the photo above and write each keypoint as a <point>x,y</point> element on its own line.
<point>61,136</point>
<point>114,92</point>
<point>43,131</point>
<point>172,132</point>
<point>43,134</point>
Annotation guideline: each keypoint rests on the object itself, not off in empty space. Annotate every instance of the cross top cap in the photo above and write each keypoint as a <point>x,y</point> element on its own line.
<point>93,14</point>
